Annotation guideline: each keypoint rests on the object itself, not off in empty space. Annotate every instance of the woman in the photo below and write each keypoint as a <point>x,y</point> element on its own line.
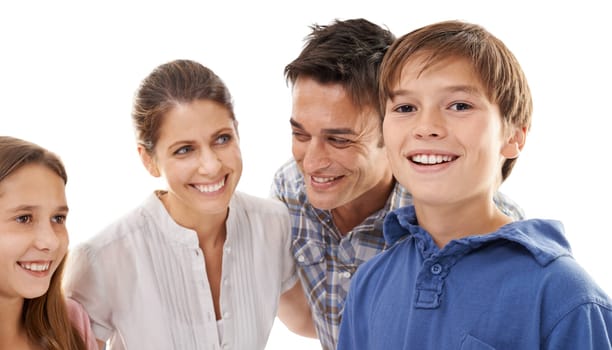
<point>197,265</point>
<point>33,244</point>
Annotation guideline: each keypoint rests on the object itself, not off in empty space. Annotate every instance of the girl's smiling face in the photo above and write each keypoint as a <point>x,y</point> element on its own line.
<point>33,234</point>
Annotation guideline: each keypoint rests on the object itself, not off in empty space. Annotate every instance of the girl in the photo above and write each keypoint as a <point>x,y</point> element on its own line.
<point>33,244</point>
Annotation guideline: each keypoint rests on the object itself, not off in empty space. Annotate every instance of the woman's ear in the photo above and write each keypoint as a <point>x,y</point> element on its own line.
<point>148,161</point>
<point>514,143</point>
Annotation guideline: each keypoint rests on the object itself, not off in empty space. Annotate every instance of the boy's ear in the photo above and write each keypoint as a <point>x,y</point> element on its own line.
<point>148,161</point>
<point>514,143</point>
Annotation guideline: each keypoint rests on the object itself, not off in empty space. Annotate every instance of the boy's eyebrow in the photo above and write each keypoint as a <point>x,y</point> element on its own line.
<point>469,89</point>
<point>329,131</point>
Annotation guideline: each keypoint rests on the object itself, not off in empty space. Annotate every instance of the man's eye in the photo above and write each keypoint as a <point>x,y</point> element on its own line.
<point>460,106</point>
<point>300,136</point>
<point>24,219</point>
<point>338,141</point>
<point>59,219</point>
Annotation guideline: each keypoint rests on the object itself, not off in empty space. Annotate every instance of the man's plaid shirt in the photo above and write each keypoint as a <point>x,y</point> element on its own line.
<point>326,259</point>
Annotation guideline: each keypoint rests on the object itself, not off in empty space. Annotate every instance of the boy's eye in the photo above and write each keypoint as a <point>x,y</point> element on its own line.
<point>460,106</point>
<point>24,219</point>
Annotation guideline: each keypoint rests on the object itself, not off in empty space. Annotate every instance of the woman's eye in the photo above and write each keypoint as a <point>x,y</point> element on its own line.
<point>223,139</point>
<point>183,150</point>
<point>24,219</point>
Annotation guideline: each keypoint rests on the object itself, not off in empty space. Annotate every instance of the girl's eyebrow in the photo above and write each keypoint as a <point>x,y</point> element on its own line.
<point>26,207</point>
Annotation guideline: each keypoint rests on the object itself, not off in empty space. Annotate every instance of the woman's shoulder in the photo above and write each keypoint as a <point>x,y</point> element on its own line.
<point>255,204</point>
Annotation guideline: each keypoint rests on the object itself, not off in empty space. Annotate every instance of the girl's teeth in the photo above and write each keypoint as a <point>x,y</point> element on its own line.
<point>35,267</point>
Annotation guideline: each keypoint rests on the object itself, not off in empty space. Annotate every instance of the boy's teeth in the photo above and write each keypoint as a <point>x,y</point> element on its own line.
<point>431,158</point>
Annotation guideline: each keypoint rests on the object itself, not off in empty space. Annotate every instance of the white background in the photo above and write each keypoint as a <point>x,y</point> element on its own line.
<point>68,71</point>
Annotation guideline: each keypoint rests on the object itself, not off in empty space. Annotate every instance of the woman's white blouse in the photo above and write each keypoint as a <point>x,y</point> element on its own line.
<point>143,279</point>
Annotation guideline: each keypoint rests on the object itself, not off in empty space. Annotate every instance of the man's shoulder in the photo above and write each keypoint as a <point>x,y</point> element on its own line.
<point>288,172</point>
<point>289,183</point>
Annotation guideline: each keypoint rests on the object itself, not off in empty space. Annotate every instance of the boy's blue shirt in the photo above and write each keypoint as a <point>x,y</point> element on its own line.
<point>516,288</point>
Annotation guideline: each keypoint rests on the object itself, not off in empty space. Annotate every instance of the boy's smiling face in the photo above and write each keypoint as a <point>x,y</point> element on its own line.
<point>445,139</point>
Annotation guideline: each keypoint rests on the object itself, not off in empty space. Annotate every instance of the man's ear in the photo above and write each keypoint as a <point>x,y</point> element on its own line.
<point>148,161</point>
<point>514,143</point>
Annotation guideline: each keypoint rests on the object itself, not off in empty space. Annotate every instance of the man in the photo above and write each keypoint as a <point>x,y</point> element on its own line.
<point>339,186</point>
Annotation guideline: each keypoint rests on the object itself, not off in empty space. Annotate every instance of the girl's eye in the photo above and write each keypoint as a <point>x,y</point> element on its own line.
<point>460,106</point>
<point>59,219</point>
<point>405,109</point>
<point>183,150</point>
<point>223,139</point>
<point>24,219</point>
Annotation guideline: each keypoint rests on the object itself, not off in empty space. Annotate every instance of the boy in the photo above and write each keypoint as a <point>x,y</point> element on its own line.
<point>461,274</point>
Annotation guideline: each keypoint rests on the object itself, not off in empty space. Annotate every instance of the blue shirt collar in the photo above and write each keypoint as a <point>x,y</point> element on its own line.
<point>544,239</point>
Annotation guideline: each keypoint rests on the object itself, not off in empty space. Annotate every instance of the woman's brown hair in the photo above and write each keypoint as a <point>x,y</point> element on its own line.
<point>171,84</point>
<point>45,318</point>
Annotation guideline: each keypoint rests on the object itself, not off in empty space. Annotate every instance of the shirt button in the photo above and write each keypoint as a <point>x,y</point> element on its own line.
<point>226,315</point>
<point>346,274</point>
<point>228,250</point>
<point>301,258</point>
<point>226,282</point>
<point>436,269</point>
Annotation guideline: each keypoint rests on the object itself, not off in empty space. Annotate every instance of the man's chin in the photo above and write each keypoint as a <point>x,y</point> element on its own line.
<point>327,202</point>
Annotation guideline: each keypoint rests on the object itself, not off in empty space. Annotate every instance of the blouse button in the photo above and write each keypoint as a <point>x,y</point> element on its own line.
<point>301,258</point>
